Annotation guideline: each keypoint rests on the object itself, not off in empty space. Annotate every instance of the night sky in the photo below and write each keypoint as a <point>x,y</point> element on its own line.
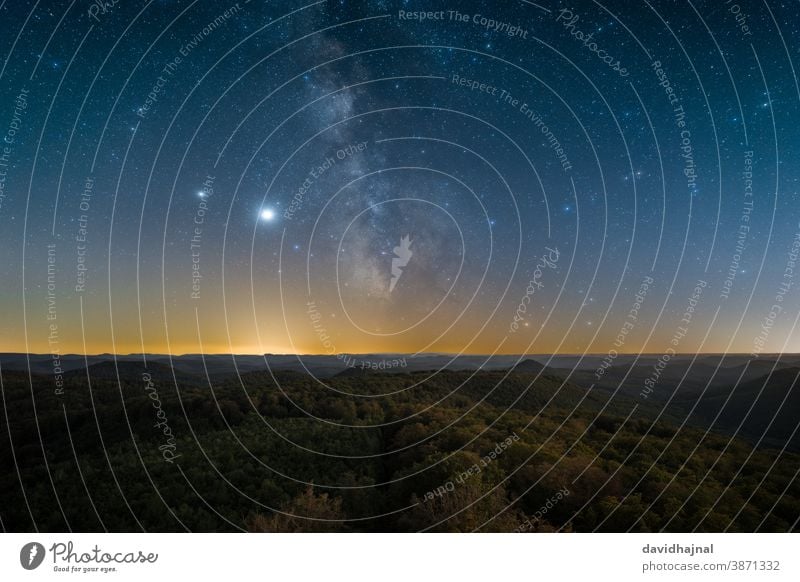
<point>328,177</point>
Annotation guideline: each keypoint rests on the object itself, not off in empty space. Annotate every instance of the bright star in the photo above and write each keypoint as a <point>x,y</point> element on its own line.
<point>267,214</point>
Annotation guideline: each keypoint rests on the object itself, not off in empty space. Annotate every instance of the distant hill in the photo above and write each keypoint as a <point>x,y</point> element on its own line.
<point>765,407</point>
<point>135,370</point>
<point>529,366</point>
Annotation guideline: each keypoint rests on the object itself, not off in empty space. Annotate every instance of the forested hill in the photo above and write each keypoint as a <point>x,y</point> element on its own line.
<point>129,447</point>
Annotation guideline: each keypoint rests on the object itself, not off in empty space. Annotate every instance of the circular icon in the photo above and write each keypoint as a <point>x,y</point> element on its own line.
<point>31,555</point>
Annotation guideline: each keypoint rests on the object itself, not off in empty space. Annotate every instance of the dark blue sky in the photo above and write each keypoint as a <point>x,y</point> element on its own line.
<point>223,177</point>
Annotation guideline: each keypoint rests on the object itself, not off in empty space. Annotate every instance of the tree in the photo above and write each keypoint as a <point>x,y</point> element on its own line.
<point>306,512</point>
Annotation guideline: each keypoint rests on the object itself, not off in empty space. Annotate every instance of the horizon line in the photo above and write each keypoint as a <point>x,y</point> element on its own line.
<point>403,354</point>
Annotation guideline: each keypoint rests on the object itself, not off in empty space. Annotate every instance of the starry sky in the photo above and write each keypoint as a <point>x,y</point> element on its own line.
<point>396,176</point>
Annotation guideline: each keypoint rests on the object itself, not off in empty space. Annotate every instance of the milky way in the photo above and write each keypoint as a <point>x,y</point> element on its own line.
<point>646,142</point>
